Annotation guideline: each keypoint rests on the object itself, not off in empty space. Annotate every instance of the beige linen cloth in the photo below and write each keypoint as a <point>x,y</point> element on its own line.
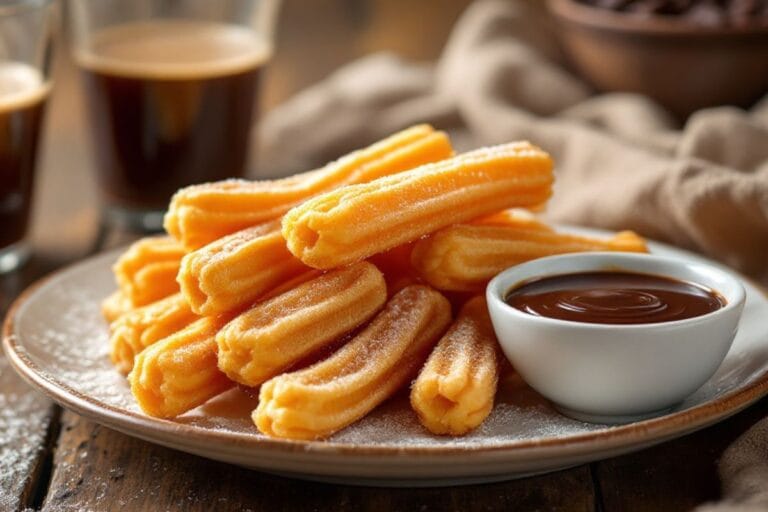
<point>621,161</point>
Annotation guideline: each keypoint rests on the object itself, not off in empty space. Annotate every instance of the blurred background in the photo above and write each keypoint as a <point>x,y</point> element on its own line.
<point>313,39</point>
<point>504,77</point>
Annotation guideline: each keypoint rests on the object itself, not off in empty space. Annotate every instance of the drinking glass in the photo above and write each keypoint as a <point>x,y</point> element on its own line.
<point>171,91</point>
<point>25,58</point>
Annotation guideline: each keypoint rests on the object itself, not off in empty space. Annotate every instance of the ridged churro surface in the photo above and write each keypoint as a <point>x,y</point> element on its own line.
<point>115,305</point>
<point>146,272</point>
<point>235,270</point>
<point>357,221</point>
<point>326,397</point>
<point>515,217</point>
<point>133,332</point>
<point>277,333</point>
<point>202,213</point>
<point>455,390</point>
<point>179,373</point>
<point>465,257</point>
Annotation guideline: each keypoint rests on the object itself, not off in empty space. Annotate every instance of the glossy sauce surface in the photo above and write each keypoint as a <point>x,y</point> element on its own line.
<point>614,298</point>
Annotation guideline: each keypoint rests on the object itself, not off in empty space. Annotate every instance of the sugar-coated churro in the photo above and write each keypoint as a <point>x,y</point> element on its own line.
<point>357,221</point>
<point>330,290</point>
<point>202,213</point>
<point>454,392</point>
<point>517,217</point>
<point>115,305</point>
<point>142,327</point>
<point>465,257</point>
<point>179,373</point>
<point>146,272</point>
<point>277,333</point>
<point>319,400</point>
<point>235,270</point>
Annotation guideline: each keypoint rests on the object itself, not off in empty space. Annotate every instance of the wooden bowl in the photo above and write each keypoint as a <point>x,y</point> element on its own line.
<point>681,65</point>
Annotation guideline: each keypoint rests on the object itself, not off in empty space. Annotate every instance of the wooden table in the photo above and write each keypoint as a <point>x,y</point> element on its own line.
<point>55,460</point>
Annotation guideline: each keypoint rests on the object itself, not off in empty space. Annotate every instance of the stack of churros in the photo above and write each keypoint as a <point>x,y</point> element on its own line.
<point>325,290</point>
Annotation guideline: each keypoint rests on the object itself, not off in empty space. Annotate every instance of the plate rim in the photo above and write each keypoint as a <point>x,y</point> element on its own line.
<point>642,432</point>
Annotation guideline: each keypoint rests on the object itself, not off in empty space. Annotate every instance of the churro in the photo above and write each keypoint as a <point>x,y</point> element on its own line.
<point>146,272</point>
<point>277,333</point>
<point>454,392</point>
<point>116,305</point>
<point>319,400</point>
<point>357,221</point>
<point>202,213</point>
<point>235,270</point>
<point>517,217</point>
<point>142,327</point>
<point>179,373</point>
<point>465,257</point>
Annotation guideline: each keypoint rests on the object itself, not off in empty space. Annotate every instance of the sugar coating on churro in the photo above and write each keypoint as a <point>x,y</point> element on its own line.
<point>312,287</point>
<point>235,270</point>
<point>202,213</point>
<point>115,305</point>
<point>142,327</point>
<point>146,271</point>
<point>455,390</point>
<point>179,373</point>
<point>465,257</point>
<point>515,217</point>
<point>357,221</point>
<point>279,332</point>
<point>326,397</point>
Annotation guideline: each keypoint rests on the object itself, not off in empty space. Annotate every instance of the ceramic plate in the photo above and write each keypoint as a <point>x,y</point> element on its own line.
<point>56,339</point>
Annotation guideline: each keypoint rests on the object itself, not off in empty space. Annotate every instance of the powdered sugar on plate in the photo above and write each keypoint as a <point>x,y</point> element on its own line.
<point>60,332</point>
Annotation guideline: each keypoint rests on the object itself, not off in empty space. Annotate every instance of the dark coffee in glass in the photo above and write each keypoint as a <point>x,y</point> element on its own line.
<point>25,55</point>
<point>23,93</point>
<point>172,102</point>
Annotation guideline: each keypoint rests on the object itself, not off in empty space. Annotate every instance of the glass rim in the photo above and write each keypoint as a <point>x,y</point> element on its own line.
<point>19,6</point>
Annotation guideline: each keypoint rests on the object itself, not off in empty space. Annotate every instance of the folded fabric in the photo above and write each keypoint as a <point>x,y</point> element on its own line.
<point>744,473</point>
<point>622,162</point>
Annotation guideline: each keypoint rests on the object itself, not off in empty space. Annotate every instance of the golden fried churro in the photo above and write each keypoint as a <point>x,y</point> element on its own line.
<point>357,221</point>
<point>454,392</point>
<point>465,257</point>
<point>142,327</point>
<point>518,217</point>
<point>116,305</point>
<point>277,333</point>
<point>179,373</point>
<point>235,270</point>
<point>146,272</point>
<point>202,213</point>
<point>319,400</point>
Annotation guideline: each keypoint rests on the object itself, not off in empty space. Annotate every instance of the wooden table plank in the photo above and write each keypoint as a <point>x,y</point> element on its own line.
<point>677,475</point>
<point>28,421</point>
<point>95,466</point>
<point>27,425</point>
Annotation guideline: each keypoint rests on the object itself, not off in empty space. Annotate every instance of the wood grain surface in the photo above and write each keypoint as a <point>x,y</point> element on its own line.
<point>28,421</point>
<point>62,462</point>
<point>95,465</point>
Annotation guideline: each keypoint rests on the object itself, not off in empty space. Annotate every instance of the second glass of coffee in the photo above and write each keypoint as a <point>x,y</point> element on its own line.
<point>171,90</point>
<point>25,58</point>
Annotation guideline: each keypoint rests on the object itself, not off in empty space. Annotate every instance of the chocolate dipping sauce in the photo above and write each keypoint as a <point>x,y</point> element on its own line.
<point>614,298</point>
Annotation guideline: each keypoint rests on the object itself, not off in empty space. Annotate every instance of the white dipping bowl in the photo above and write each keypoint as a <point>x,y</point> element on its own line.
<point>609,373</point>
